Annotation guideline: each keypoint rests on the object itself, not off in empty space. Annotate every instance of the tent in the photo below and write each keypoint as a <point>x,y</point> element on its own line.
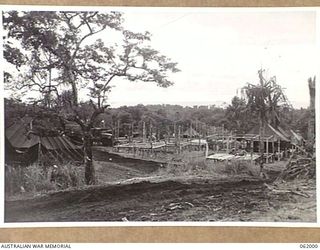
<point>190,132</point>
<point>24,147</point>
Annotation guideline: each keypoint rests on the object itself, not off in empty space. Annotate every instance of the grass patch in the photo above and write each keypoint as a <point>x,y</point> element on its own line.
<point>194,166</point>
<point>35,179</point>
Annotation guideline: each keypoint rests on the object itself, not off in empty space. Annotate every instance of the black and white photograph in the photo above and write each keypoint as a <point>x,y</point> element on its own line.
<point>159,115</point>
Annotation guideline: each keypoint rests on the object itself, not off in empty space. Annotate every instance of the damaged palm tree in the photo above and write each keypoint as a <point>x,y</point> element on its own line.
<point>265,99</point>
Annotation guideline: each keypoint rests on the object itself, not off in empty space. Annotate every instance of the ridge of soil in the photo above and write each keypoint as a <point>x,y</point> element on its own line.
<point>206,200</point>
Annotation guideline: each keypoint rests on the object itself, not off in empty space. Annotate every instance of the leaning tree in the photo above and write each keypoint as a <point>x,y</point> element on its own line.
<point>75,50</point>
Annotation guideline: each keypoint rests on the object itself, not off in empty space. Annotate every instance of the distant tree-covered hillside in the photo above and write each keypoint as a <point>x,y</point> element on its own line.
<point>164,118</point>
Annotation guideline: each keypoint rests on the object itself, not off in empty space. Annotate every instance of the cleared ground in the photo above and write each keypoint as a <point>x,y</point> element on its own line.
<point>138,192</point>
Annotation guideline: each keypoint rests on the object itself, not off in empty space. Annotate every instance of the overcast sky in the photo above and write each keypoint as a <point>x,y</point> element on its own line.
<point>218,52</point>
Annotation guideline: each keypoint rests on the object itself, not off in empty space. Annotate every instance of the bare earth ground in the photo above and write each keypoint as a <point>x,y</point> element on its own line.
<point>134,193</point>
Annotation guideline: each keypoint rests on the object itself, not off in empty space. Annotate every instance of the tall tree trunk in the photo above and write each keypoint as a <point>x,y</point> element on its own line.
<point>74,94</point>
<point>73,84</point>
<point>311,123</point>
<point>262,121</point>
<point>261,142</point>
<point>49,85</point>
<point>89,168</point>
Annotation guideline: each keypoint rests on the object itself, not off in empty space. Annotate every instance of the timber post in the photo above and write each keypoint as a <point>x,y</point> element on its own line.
<point>279,153</point>
<point>267,148</point>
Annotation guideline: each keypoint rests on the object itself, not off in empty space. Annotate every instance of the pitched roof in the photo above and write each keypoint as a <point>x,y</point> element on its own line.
<point>190,132</point>
<point>19,136</point>
<point>279,135</point>
<point>296,136</point>
<point>268,132</point>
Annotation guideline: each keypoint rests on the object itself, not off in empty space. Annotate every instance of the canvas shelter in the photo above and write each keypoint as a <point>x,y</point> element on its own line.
<point>190,133</point>
<point>25,147</point>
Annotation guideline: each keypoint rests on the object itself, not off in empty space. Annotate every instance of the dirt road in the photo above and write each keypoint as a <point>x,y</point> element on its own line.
<point>178,200</point>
